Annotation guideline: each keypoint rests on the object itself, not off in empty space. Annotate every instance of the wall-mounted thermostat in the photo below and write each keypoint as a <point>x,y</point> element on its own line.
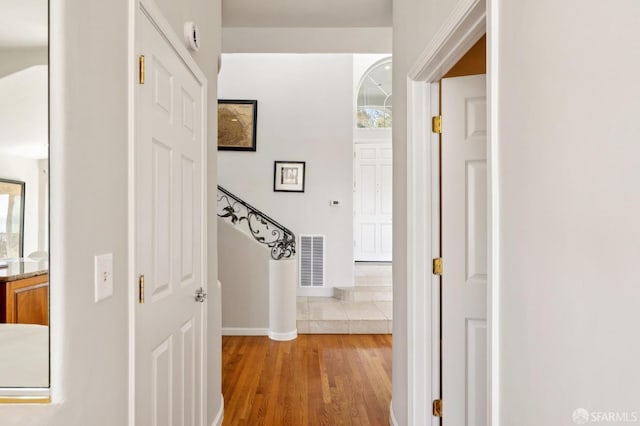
<point>192,35</point>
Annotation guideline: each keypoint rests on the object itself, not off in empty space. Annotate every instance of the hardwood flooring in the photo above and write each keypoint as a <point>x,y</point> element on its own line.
<point>323,380</point>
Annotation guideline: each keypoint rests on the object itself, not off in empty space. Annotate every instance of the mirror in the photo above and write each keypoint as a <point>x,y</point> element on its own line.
<point>24,194</point>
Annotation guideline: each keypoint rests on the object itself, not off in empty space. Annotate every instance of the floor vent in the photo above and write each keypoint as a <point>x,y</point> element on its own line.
<point>312,253</point>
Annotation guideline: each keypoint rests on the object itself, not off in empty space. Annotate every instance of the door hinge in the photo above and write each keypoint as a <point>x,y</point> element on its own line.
<point>141,289</point>
<point>437,266</point>
<point>437,408</point>
<point>141,69</point>
<point>436,124</point>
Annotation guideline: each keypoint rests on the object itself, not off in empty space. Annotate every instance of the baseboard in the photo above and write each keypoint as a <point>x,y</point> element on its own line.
<point>220,416</point>
<point>237,331</point>
<point>392,417</point>
<point>315,292</point>
<point>283,336</point>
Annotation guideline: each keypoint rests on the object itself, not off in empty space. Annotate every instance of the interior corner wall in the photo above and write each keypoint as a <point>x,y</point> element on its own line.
<point>304,114</point>
<point>89,207</point>
<point>414,23</point>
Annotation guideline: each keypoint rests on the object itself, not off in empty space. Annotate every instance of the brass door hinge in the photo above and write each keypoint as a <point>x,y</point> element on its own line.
<point>436,124</point>
<point>141,69</point>
<point>437,408</point>
<point>141,289</point>
<point>437,266</point>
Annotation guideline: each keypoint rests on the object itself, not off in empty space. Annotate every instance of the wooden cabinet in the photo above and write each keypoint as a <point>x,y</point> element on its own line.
<point>25,301</point>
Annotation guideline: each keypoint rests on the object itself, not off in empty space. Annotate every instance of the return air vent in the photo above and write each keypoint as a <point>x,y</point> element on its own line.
<point>312,260</point>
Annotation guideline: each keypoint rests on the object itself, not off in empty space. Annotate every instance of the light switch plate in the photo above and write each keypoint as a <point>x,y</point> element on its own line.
<point>103,280</point>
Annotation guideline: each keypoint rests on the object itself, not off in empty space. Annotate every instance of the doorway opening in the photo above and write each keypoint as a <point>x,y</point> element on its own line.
<point>372,160</point>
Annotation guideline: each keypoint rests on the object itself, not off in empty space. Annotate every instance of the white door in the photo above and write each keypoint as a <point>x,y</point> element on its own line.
<point>372,202</point>
<point>169,212</point>
<point>464,251</point>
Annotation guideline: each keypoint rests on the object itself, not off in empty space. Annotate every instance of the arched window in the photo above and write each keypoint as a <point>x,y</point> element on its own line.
<point>374,97</point>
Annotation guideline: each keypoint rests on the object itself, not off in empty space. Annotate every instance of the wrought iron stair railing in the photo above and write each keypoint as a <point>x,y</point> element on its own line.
<point>264,230</point>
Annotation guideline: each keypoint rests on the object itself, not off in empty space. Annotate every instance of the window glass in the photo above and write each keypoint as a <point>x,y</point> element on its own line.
<point>374,104</point>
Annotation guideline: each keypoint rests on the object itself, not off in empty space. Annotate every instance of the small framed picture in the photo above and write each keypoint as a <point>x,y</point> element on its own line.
<point>288,176</point>
<point>237,121</point>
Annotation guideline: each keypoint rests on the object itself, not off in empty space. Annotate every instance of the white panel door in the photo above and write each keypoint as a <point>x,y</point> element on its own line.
<point>169,212</point>
<point>372,202</point>
<point>464,251</point>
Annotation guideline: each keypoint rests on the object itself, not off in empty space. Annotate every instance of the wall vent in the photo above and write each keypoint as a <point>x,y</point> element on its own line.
<point>311,260</point>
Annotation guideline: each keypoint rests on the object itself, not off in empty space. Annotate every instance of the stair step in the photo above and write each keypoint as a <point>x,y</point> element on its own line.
<point>344,327</point>
<point>364,293</point>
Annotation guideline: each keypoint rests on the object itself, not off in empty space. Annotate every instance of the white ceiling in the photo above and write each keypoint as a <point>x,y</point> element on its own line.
<point>23,23</point>
<point>306,13</point>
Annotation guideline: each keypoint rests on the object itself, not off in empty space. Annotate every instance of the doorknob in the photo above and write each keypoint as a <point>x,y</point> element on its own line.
<point>200,295</point>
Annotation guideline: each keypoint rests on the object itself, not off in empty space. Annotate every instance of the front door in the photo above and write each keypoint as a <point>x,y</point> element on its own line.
<point>464,251</point>
<point>169,211</point>
<point>372,202</point>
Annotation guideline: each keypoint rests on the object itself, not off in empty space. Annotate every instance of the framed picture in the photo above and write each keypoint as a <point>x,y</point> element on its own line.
<point>288,176</point>
<point>11,218</point>
<point>237,125</point>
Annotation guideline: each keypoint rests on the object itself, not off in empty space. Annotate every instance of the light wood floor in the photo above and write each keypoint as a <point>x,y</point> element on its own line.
<point>313,380</point>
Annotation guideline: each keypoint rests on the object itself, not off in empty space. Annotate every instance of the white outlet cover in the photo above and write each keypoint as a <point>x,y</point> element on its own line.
<point>103,279</point>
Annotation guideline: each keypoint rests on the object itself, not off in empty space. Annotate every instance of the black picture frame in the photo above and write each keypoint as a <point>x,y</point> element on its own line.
<point>237,124</point>
<point>14,191</point>
<point>289,176</point>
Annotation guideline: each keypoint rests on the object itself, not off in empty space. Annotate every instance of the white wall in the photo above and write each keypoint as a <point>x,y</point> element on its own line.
<point>304,114</point>
<point>569,170</point>
<point>89,68</point>
<point>306,40</point>
<point>27,171</point>
<point>244,273</point>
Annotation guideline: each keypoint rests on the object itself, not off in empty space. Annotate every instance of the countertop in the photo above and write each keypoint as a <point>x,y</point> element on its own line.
<point>17,269</point>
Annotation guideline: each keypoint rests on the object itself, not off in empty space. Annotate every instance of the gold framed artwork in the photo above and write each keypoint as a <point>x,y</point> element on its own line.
<point>237,122</point>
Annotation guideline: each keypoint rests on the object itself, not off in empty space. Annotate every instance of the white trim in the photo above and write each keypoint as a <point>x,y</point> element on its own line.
<point>392,415</point>
<point>217,421</point>
<point>58,129</point>
<point>493,225</point>
<point>316,292</point>
<point>435,251</point>
<point>9,392</point>
<point>283,337</point>
<point>155,16</point>
<point>461,30</point>
<point>419,238</point>
<point>239,331</point>
<point>131,213</point>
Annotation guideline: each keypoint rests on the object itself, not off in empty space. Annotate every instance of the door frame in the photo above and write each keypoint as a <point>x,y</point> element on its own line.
<point>154,14</point>
<point>469,20</point>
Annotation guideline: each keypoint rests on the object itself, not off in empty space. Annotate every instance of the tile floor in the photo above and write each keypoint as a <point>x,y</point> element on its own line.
<point>328,315</point>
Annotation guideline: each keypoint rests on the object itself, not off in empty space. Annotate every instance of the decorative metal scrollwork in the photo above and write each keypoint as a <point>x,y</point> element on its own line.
<point>265,230</point>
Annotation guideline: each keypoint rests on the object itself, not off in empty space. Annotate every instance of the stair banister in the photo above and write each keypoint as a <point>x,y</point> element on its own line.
<point>264,229</point>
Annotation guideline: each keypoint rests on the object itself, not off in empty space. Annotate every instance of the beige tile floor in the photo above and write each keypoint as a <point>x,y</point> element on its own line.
<point>318,315</point>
